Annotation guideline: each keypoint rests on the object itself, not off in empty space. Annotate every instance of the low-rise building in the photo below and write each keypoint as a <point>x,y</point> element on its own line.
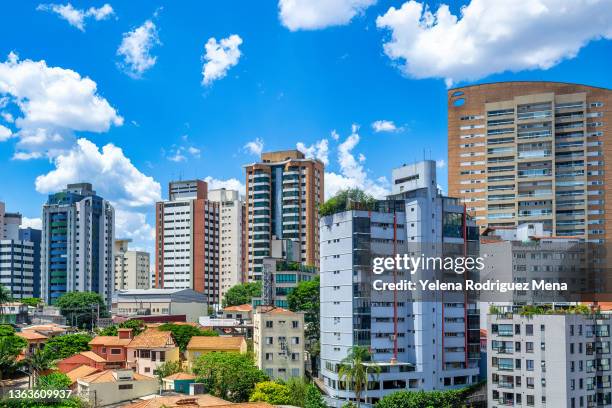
<point>88,358</point>
<point>178,382</point>
<point>278,342</point>
<point>150,349</point>
<point>80,372</point>
<point>13,313</point>
<point>200,345</point>
<point>239,312</point>
<point>114,386</point>
<point>49,330</point>
<point>160,302</point>
<point>113,348</point>
<point>194,401</point>
<point>36,341</point>
<point>548,359</point>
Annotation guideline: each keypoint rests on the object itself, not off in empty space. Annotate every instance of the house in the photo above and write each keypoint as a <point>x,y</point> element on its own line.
<point>178,382</point>
<point>199,345</point>
<point>80,372</point>
<point>114,386</point>
<point>35,341</point>
<point>194,401</point>
<point>144,303</point>
<point>151,349</point>
<point>88,358</point>
<point>14,313</point>
<point>113,348</point>
<point>239,312</point>
<point>49,330</point>
<point>278,342</point>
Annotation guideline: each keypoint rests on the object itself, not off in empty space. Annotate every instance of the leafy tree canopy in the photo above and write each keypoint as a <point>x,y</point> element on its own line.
<point>313,398</point>
<point>137,326</point>
<point>226,375</point>
<point>182,333</point>
<point>346,200</point>
<point>242,294</point>
<point>272,393</point>
<point>80,309</point>
<point>422,399</point>
<point>166,369</point>
<point>53,381</point>
<point>305,298</point>
<point>10,347</point>
<point>67,345</point>
<point>33,301</point>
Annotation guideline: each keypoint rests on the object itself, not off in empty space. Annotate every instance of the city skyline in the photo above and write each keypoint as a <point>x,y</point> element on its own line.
<point>156,118</point>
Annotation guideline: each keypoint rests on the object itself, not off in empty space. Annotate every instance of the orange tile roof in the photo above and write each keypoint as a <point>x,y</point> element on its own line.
<point>93,356</point>
<point>180,376</point>
<point>31,335</point>
<point>216,343</point>
<point>109,341</point>
<point>275,310</point>
<point>152,338</point>
<point>80,372</point>
<point>239,308</point>
<point>196,401</point>
<point>107,376</point>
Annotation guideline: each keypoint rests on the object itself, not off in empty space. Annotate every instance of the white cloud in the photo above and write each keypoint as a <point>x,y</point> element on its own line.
<point>441,163</point>
<point>220,57</point>
<point>317,14</point>
<point>8,117</point>
<point>35,223</point>
<point>54,103</point>
<point>334,135</point>
<point>491,36</point>
<point>254,147</point>
<point>112,174</point>
<point>5,133</point>
<point>318,150</point>
<point>194,151</point>
<point>115,178</point>
<point>229,184</point>
<point>76,17</point>
<point>135,48</point>
<point>352,172</point>
<point>385,126</point>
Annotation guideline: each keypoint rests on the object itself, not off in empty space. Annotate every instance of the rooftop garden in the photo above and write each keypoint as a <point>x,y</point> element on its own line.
<point>345,200</point>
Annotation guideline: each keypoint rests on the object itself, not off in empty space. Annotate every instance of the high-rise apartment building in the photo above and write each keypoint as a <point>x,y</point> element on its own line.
<point>17,258</point>
<point>231,233</point>
<point>283,191</point>
<point>77,243</point>
<point>132,268</point>
<point>35,237</point>
<point>548,359</point>
<point>532,151</point>
<point>419,343</point>
<point>187,240</point>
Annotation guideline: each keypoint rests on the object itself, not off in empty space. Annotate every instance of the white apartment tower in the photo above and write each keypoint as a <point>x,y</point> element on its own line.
<point>419,344</point>
<point>131,267</point>
<point>231,208</point>
<point>16,257</point>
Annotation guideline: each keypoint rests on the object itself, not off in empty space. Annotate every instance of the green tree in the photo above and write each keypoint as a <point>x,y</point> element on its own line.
<point>227,375</point>
<point>422,399</point>
<point>297,389</point>
<point>33,301</point>
<point>81,308</point>
<point>313,398</point>
<point>305,298</point>
<point>242,294</point>
<point>5,297</point>
<point>10,347</point>
<point>53,381</point>
<point>166,369</point>
<point>355,372</point>
<point>182,333</point>
<point>346,200</point>
<point>38,362</point>
<point>67,345</point>
<point>272,393</point>
<point>137,326</point>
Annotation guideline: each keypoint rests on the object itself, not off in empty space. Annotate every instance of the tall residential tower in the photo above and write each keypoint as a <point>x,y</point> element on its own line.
<point>284,191</point>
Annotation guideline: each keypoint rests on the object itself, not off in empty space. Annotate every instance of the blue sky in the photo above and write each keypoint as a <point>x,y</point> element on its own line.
<point>304,69</point>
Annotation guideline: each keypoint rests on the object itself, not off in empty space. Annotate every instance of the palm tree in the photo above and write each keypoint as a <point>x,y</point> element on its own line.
<point>38,362</point>
<point>354,370</point>
<point>5,297</point>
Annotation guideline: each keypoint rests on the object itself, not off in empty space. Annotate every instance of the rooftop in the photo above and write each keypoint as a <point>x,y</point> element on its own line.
<point>107,376</point>
<point>180,376</point>
<point>109,341</point>
<point>81,372</point>
<point>239,308</point>
<point>196,401</point>
<point>216,343</point>
<point>152,338</point>
<point>31,335</point>
<point>92,356</point>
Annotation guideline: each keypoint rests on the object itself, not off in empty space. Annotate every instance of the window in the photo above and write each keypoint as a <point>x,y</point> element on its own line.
<point>269,324</point>
<point>529,329</point>
<point>529,364</point>
<point>115,351</point>
<point>125,386</point>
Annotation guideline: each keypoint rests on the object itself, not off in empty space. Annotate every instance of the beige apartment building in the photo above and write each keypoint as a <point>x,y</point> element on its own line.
<point>532,152</point>
<point>284,191</point>
<point>278,342</point>
<point>132,268</point>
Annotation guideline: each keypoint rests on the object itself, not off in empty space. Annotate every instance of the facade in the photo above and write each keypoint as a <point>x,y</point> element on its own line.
<point>113,348</point>
<point>200,345</point>
<point>231,233</point>
<point>77,243</point>
<point>149,350</point>
<point>36,341</point>
<point>35,237</point>
<point>419,343</point>
<point>110,387</point>
<point>534,152</point>
<point>132,268</point>
<point>88,358</point>
<point>278,342</point>
<point>187,240</point>
<point>557,360</point>
<point>160,302</point>
<point>284,191</point>
<point>13,313</point>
